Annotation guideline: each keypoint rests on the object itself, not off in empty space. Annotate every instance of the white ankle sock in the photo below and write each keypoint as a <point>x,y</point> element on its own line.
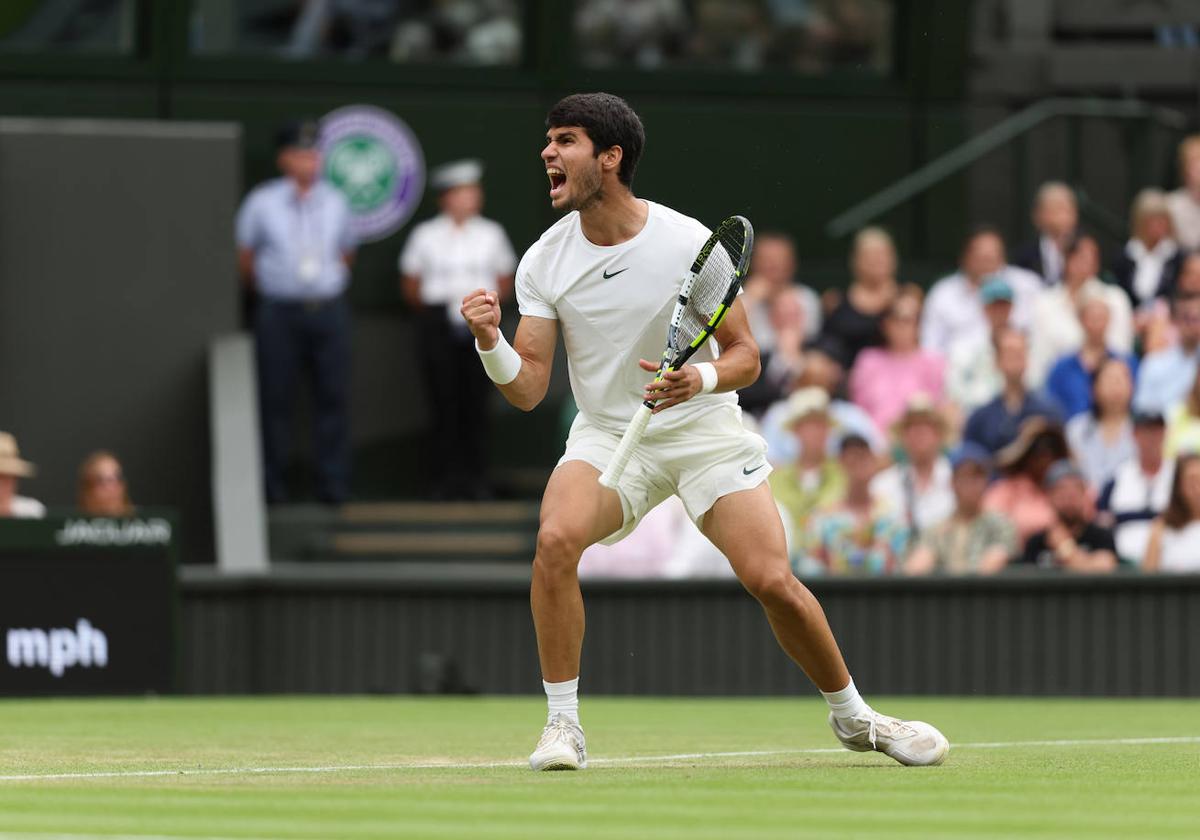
<point>846,703</point>
<point>562,698</point>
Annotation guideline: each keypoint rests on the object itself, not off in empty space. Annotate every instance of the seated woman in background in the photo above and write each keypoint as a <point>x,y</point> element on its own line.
<point>1175,537</point>
<point>885,378</point>
<point>1149,264</point>
<point>1020,495</point>
<point>1102,438</point>
<point>102,490</point>
<point>855,318</point>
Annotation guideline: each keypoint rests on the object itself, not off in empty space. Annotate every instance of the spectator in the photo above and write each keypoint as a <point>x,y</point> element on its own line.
<point>773,273</point>
<point>1102,438</point>
<point>973,378</point>
<point>972,540</point>
<point>814,479</point>
<point>1070,379</point>
<point>1183,423</point>
<point>1056,218</point>
<point>1184,203</point>
<point>1154,324</point>
<point>1165,376</point>
<point>885,378</point>
<point>1056,330</point>
<point>954,308</point>
<point>822,369</point>
<point>855,319</point>
<point>102,490</point>
<point>12,468</point>
<point>294,249</point>
<point>1072,541</point>
<point>996,424</point>
<point>1139,490</point>
<point>782,365</point>
<point>1147,268</point>
<point>920,485</point>
<point>862,534</point>
<point>1019,494</point>
<point>446,258</point>
<point>782,314</point>
<point>1175,536</point>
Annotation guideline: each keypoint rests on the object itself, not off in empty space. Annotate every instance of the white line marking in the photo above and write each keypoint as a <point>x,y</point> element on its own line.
<point>634,759</point>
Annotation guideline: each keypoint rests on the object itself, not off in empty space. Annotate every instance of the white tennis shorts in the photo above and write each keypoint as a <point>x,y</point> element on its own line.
<point>700,462</point>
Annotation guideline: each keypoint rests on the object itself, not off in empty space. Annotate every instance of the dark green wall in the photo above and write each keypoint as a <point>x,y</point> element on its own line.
<point>790,152</point>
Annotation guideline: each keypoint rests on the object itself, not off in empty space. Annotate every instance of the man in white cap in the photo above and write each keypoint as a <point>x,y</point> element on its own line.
<point>13,468</point>
<point>444,259</point>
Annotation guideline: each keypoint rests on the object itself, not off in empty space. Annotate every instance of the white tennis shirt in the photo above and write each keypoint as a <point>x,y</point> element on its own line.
<point>613,304</point>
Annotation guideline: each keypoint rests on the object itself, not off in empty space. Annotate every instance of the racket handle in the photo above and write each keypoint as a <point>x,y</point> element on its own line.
<point>629,441</point>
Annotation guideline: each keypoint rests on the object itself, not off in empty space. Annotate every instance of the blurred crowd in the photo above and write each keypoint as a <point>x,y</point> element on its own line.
<point>1038,407</point>
<point>803,36</point>
<point>476,32</point>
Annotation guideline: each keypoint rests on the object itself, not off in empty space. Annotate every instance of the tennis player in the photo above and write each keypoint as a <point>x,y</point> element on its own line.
<point>607,275</point>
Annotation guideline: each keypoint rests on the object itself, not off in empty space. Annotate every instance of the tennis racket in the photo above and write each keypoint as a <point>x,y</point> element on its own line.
<point>707,293</point>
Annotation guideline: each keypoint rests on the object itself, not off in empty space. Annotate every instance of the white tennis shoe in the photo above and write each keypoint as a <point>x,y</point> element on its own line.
<point>910,742</point>
<point>561,746</point>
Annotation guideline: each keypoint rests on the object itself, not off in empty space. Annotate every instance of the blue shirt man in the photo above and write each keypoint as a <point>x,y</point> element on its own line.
<point>995,424</point>
<point>294,250</point>
<point>300,239</point>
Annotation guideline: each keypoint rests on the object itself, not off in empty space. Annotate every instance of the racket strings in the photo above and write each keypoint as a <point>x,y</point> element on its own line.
<point>712,283</point>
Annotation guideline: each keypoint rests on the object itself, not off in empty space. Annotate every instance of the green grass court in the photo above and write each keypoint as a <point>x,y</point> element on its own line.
<point>661,768</point>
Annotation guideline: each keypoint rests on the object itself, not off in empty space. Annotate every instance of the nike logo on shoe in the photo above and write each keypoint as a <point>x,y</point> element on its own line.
<point>756,469</point>
<point>608,276</point>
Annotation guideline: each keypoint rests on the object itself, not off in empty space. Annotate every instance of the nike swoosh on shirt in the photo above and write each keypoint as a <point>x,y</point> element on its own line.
<point>608,276</point>
<point>756,469</point>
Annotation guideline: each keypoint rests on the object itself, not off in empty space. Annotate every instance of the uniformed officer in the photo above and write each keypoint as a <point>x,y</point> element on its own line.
<point>295,247</point>
<point>444,259</point>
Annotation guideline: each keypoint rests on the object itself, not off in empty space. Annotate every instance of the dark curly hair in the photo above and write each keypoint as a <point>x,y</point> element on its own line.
<point>608,121</point>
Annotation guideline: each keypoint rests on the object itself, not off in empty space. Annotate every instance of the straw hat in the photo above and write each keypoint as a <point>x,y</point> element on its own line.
<point>10,458</point>
<point>806,402</point>
<point>920,407</point>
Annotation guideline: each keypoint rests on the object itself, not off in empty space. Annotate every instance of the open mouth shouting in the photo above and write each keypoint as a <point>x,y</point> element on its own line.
<point>558,181</point>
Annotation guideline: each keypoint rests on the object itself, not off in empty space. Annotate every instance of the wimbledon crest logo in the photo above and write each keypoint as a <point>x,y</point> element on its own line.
<point>376,161</point>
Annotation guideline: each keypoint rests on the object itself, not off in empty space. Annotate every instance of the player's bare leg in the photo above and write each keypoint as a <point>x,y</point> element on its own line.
<point>746,527</point>
<point>576,512</point>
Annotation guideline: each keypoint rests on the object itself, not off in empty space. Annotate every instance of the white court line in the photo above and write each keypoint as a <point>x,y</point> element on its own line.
<point>488,765</point>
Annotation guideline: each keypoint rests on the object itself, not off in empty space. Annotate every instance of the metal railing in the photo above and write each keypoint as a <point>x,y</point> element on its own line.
<point>1008,130</point>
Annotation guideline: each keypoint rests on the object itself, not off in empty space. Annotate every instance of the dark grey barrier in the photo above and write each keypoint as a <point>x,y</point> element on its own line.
<point>308,632</point>
<point>87,606</point>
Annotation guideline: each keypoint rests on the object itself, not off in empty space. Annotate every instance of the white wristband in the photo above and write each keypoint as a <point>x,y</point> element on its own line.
<point>501,363</point>
<point>708,376</point>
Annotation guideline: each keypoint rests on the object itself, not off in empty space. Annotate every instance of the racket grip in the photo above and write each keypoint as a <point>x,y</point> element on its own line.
<point>629,441</point>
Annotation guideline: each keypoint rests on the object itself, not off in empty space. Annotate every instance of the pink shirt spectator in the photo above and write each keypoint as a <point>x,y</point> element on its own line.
<point>882,381</point>
<point>1024,502</point>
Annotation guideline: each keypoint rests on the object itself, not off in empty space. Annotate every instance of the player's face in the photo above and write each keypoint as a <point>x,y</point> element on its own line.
<point>573,169</point>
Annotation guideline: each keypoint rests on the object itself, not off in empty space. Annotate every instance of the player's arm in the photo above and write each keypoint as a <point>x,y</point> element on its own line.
<point>737,367</point>
<point>245,263</point>
<point>521,372</point>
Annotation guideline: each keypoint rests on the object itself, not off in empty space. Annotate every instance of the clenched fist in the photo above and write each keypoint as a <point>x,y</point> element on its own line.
<point>481,309</point>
